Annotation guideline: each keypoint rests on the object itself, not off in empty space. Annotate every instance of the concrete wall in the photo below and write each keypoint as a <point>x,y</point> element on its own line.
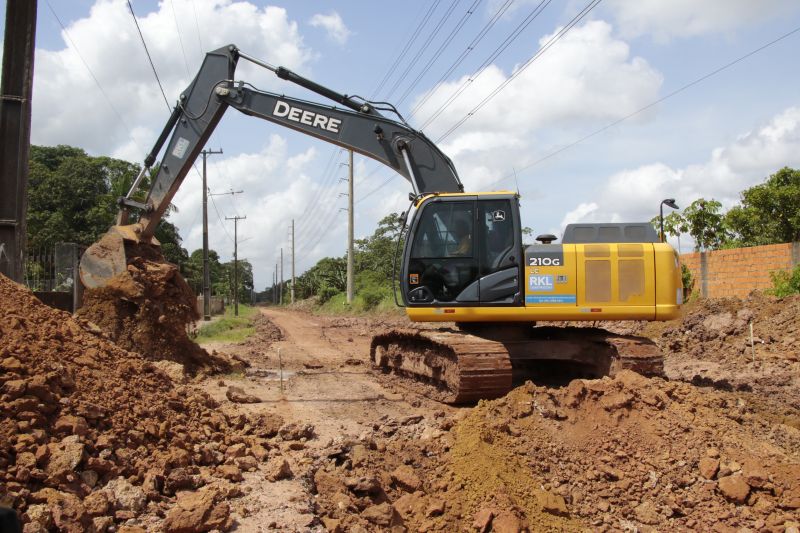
<point>216,305</point>
<point>738,271</point>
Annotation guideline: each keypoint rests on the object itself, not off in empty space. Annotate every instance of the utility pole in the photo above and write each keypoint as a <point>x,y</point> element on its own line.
<point>281,287</point>
<point>275,292</point>
<point>236,220</point>
<point>292,260</point>
<point>15,133</point>
<point>350,230</point>
<point>206,270</point>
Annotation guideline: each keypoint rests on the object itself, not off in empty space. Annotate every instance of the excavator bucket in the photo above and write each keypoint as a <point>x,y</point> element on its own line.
<point>106,258</point>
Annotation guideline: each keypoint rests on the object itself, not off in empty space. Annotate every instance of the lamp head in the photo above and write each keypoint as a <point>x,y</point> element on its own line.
<point>670,202</point>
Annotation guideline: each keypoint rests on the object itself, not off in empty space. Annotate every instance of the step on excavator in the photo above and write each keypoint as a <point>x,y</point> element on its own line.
<point>463,261</point>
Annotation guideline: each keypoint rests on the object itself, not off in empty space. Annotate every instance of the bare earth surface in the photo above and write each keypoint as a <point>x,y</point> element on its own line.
<point>327,384</point>
<point>303,435</point>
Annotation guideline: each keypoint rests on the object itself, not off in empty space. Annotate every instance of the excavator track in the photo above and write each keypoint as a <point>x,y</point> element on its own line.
<point>451,366</point>
<point>456,366</point>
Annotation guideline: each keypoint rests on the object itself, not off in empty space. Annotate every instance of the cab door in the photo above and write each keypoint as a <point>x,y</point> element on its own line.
<point>500,247</point>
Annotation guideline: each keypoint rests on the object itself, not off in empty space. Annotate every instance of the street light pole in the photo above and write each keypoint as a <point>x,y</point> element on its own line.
<point>669,202</point>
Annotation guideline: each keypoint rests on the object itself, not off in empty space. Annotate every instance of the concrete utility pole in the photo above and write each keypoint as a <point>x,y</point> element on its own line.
<point>281,287</point>
<point>206,270</point>
<point>350,230</point>
<point>292,260</point>
<point>15,133</point>
<point>275,291</point>
<point>236,220</point>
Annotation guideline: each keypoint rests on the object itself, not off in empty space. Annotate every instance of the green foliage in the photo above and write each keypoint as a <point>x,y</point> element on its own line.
<point>326,292</point>
<point>229,328</point>
<point>706,224</point>
<point>72,198</point>
<point>785,283</point>
<point>769,212</point>
<point>686,277</point>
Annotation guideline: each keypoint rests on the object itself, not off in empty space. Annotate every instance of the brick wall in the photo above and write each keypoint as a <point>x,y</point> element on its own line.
<point>738,271</point>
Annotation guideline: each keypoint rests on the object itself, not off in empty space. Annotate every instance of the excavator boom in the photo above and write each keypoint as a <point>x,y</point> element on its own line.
<point>361,128</point>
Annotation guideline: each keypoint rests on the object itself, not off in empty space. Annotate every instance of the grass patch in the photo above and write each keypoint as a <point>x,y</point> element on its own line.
<point>364,303</point>
<point>229,328</point>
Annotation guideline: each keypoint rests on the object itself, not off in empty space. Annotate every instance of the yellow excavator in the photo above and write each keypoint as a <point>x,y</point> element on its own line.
<point>463,260</point>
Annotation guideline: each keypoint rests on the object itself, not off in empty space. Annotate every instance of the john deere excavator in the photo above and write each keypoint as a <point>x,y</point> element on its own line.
<point>463,260</point>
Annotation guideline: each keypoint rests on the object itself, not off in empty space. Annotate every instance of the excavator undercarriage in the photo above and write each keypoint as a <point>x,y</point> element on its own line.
<point>484,361</point>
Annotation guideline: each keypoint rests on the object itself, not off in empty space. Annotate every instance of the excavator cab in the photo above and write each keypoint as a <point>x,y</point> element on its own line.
<point>464,250</point>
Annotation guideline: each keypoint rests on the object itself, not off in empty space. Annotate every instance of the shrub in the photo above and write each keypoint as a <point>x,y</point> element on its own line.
<point>326,293</point>
<point>785,283</point>
<point>371,297</point>
<point>687,278</point>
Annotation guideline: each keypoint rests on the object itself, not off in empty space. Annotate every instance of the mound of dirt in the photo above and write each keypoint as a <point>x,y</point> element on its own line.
<point>147,309</point>
<point>629,453</point>
<point>711,344</point>
<point>93,436</point>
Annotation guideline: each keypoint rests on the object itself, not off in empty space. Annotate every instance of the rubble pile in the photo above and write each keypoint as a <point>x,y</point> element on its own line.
<point>147,310</point>
<point>93,436</point>
<point>628,453</point>
<point>711,344</point>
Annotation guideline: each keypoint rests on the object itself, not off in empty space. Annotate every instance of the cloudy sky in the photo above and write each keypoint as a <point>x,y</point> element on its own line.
<point>530,77</point>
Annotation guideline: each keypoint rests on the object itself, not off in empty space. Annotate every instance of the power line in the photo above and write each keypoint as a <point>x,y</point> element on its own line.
<point>654,103</point>
<point>470,47</point>
<point>438,53</point>
<point>146,51</point>
<point>178,33</point>
<point>434,32</point>
<point>490,59</point>
<point>554,39</point>
<point>423,21</point>
<point>96,81</point>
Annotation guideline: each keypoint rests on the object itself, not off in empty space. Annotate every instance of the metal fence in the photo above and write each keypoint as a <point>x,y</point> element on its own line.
<point>55,270</point>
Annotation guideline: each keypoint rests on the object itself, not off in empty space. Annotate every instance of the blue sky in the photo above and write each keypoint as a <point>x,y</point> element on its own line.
<point>713,139</point>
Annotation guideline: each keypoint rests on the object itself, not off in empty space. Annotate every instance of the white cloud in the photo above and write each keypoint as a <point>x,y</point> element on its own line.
<point>634,195</point>
<point>686,18</point>
<point>333,24</point>
<point>69,108</point>
<point>588,77</point>
<point>278,186</point>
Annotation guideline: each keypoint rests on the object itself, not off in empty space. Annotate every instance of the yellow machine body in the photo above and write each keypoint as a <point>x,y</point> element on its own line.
<point>593,281</point>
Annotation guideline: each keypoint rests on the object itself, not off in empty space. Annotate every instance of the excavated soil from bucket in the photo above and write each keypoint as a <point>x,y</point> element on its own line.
<point>94,437</point>
<point>147,309</point>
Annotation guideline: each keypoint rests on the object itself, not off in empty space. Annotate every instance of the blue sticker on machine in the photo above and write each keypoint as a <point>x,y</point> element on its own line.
<point>551,299</point>
<point>540,283</point>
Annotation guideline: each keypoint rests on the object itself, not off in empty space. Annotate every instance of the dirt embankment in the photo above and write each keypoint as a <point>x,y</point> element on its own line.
<point>147,309</point>
<point>605,454</point>
<point>93,437</point>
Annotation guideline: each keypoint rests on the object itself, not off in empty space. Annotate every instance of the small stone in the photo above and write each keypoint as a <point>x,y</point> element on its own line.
<point>230,472</point>
<point>203,510</point>
<point>238,395</point>
<point>277,468</point>
<point>483,520</point>
<point>553,504</point>
<point>405,478</point>
<point>435,508</point>
<point>713,453</point>
<point>708,467</point>
<point>647,513</point>
<point>734,488</point>
<point>380,515</point>
<point>506,522</point>
<point>125,496</point>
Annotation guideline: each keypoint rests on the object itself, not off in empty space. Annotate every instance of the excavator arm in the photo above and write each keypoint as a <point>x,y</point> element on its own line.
<point>361,128</point>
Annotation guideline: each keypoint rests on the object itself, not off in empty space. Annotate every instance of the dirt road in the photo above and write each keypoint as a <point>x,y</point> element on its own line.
<point>327,383</point>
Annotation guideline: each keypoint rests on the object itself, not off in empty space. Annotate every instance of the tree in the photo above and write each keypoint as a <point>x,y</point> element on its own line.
<point>72,197</point>
<point>706,224</point>
<point>769,212</point>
